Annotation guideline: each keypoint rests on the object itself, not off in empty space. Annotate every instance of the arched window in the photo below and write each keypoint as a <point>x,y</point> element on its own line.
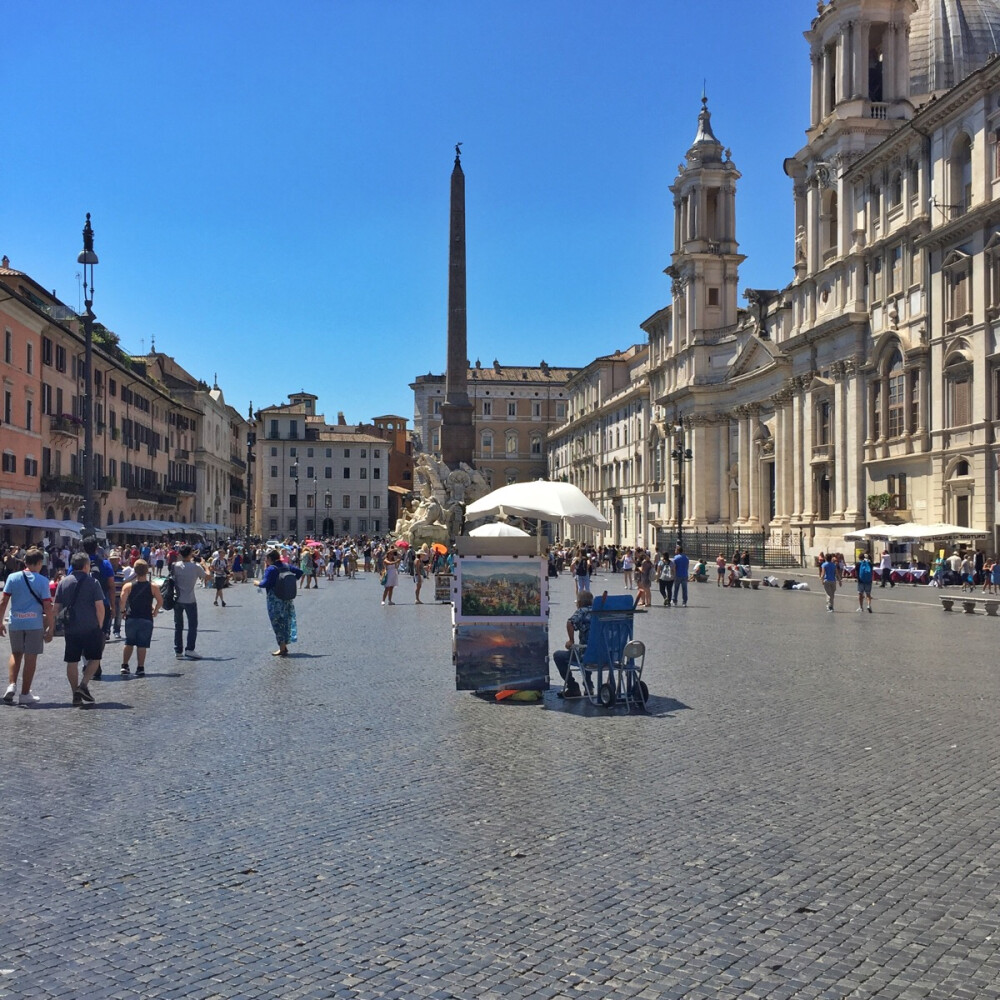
<point>511,442</point>
<point>960,196</point>
<point>536,444</point>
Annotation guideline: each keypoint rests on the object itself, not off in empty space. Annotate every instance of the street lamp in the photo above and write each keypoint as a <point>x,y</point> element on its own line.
<point>251,441</point>
<point>680,455</point>
<point>328,506</point>
<point>88,259</point>
<point>315,508</point>
<point>295,475</point>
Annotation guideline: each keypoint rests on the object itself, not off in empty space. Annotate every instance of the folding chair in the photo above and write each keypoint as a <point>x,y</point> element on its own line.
<point>599,663</point>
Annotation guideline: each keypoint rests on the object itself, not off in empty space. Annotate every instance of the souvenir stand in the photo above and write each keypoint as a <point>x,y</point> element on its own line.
<point>500,615</point>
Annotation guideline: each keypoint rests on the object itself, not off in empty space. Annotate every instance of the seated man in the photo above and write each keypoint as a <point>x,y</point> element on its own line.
<point>579,622</point>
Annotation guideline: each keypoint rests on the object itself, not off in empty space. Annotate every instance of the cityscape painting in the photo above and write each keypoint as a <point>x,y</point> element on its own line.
<point>497,656</point>
<point>504,588</point>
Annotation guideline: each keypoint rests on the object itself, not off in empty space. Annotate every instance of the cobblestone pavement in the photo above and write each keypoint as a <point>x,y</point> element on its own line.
<point>809,810</point>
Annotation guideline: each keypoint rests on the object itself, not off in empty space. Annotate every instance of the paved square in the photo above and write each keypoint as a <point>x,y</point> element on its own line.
<point>810,810</point>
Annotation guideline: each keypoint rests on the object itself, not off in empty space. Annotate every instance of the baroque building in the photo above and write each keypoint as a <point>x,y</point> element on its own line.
<point>602,445</point>
<point>513,409</point>
<point>868,387</point>
<point>311,478</point>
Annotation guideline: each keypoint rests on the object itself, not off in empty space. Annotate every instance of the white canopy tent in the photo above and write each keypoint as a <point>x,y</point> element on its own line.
<point>541,499</point>
<point>911,532</point>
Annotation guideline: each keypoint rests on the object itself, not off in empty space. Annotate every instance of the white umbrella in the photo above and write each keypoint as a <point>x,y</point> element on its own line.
<point>876,531</point>
<point>541,499</point>
<point>496,529</point>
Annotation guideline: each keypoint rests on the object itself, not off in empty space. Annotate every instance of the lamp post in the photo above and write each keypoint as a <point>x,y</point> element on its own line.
<point>680,455</point>
<point>328,506</point>
<point>88,259</point>
<point>295,475</point>
<point>315,508</point>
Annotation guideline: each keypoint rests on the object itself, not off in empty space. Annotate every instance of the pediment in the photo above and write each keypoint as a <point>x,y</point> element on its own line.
<point>955,258</point>
<point>754,356</point>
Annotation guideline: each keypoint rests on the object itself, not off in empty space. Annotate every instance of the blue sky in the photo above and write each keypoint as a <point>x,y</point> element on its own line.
<point>269,182</point>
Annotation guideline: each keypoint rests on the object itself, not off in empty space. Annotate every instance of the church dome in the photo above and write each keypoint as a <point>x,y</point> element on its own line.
<point>949,39</point>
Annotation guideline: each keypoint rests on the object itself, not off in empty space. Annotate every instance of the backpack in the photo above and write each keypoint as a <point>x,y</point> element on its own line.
<point>583,566</point>
<point>286,587</point>
<point>168,592</point>
<point>864,572</point>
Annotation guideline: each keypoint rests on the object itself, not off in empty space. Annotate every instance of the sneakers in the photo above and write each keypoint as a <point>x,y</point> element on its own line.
<point>179,656</point>
<point>861,609</point>
<point>192,655</point>
<point>97,676</point>
<point>9,694</point>
<point>869,609</point>
<point>140,671</point>
<point>78,699</point>
<point>84,692</point>
<point>125,670</point>
<point>27,699</point>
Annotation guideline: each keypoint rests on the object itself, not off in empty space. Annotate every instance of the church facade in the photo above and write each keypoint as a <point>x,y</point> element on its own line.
<point>867,390</point>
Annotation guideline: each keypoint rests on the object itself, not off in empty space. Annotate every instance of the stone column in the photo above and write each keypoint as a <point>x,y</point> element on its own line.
<point>808,493</point>
<point>797,467</point>
<point>812,228</point>
<point>743,463</point>
<point>861,60</point>
<point>816,114</point>
<point>854,453</point>
<point>753,466</point>
<point>839,443</point>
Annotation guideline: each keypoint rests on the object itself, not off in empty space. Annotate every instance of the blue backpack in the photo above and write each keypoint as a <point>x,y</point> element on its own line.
<point>864,571</point>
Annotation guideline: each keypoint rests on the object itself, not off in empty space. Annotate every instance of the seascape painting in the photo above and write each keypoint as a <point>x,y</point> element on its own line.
<point>494,657</point>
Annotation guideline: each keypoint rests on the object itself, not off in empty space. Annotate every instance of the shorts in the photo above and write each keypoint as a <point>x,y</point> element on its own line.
<point>89,645</point>
<point>138,632</point>
<point>27,640</point>
<point>865,588</point>
<point>220,583</point>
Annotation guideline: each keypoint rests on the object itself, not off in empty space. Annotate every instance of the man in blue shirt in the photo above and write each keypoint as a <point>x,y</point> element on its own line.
<point>865,575</point>
<point>681,566</point>
<point>829,574</point>
<point>31,624</point>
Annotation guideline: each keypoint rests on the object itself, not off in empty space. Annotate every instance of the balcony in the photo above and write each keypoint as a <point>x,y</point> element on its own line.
<point>822,452</point>
<point>66,426</point>
<point>182,485</point>
<point>151,496</point>
<point>237,461</point>
<point>889,506</point>
<point>67,485</point>
<point>237,491</point>
<point>181,454</point>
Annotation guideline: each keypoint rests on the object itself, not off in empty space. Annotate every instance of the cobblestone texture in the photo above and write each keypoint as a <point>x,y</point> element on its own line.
<point>809,810</point>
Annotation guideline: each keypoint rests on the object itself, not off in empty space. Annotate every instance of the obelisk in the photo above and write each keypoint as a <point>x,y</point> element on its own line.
<point>457,434</point>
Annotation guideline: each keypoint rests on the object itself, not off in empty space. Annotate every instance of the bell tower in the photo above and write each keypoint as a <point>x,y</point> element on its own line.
<point>706,258</point>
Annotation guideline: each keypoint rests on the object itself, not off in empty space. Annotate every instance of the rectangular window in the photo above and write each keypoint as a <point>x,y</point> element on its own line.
<point>364,452</point>
<point>914,401</point>
<point>310,471</point>
<point>329,453</point>
<point>293,429</point>
<point>713,296</point>
<point>560,411</point>
<point>112,386</point>
<point>274,499</point>
<point>293,499</point>
<point>47,351</point>
<point>347,502</point>
<point>46,398</point>
<point>897,404</point>
<point>895,280</point>
<point>437,406</point>
<point>345,525</point>
<point>961,399</point>
<point>8,347</point>
<point>9,462</point>
<point>347,472</point>
<point>328,473</point>
<point>901,491</point>
<point>364,473</point>
<point>8,405</point>
<point>309,501</point>
<point>274,525</point>
<point>377,452</point>
<point>309,453</point>
<point>347,453</point>
<point>487,408</point>
<point>30,358</point>
<point>376,473</point>
<point>291,452</point>
<point>511,408</point>
<point>274,453</point>
<point>274,429</point>
<point>363,503</point>
<point>274,472</point>
<point>29,414</point>
<point>536,409</point>
<point>376,503</point>
<point>876,410</point>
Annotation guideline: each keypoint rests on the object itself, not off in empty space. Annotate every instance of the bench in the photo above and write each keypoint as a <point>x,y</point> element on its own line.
<point>748,584</point>
<point>969,604</point>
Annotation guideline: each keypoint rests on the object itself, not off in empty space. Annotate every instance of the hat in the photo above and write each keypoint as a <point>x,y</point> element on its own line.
<point>115,554</point>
